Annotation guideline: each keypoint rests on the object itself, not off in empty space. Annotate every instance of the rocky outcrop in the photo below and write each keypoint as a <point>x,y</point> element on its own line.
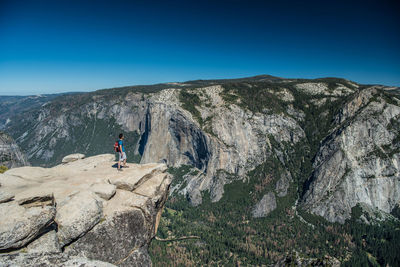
<point>282,185</point>
<point>10,154</point>
<point>72,157</point>
<point>359,162</point>
<point>105,191</point>
<point>75,214</point>
<point>265,206</point>
<point>19,225</point>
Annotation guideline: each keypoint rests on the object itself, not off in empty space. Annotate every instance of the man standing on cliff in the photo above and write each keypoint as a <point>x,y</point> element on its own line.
<point>122,154</point>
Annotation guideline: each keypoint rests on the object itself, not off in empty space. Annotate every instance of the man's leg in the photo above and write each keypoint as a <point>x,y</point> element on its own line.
<point>125,160</point>
<point>119,161</point>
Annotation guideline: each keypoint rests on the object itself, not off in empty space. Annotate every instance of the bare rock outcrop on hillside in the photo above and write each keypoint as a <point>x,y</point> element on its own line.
<point>78,214</point>
<point>10,154</point>
<point>265,206</point>
<point>359,161</point>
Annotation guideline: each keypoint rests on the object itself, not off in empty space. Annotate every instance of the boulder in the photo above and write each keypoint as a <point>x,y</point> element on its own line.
<point>105,191</point>
<point>76,215</point>
<point>265,205</point>
<point>19,225</point>
<point>72,157</point>
<point>138,176</point>
<point>151,187</point>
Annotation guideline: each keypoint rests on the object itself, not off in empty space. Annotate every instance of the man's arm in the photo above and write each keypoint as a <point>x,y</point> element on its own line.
<point>120,148</point>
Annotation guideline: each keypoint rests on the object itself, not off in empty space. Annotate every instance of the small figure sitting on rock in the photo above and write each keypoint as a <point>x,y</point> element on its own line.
<point>122,154</point>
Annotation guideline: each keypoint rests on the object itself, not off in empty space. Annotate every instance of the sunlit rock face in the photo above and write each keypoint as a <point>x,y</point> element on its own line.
<point>82,211</point>
<point>359,161</point>
<point>10,154</point>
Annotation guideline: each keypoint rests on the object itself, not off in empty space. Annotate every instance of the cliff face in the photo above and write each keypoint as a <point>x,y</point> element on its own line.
<point>225,129</point>
<point>224,143</point>
<point>10,154</point>
<point>359,161</point>
<point>83,212</point>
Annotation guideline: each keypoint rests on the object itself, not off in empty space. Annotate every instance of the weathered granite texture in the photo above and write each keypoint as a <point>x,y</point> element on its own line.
<point>359,162</point>
<point>78,214</point>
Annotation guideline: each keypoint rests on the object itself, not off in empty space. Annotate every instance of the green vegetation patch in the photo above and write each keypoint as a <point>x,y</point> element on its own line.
<point>374,244</point>
<point>190,102</point>
<point>3,169</point>
<point>5,157</point>
<point>255,96</point>
<point>230,236</point>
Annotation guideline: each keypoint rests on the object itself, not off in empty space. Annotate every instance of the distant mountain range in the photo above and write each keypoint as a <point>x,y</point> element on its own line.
<point>11,105</point>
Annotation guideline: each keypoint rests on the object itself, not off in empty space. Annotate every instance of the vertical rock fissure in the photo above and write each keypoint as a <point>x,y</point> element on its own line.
<point>146,132</point>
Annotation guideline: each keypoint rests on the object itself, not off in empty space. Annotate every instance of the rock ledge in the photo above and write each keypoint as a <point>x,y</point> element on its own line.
<point>81,213</point>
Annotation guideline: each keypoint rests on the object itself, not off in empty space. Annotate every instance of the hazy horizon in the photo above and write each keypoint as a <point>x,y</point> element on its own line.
<point>67,46</point>
<point>166,82</point>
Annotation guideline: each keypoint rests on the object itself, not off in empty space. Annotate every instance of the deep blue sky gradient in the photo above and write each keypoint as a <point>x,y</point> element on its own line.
<point>59,46</point>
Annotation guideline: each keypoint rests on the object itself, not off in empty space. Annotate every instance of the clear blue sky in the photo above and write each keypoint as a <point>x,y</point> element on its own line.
<point>58,46</point>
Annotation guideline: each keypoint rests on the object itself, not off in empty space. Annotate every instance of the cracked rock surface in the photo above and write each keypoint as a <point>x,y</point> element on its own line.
<point>81,213</point>
<point>359,161</point>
